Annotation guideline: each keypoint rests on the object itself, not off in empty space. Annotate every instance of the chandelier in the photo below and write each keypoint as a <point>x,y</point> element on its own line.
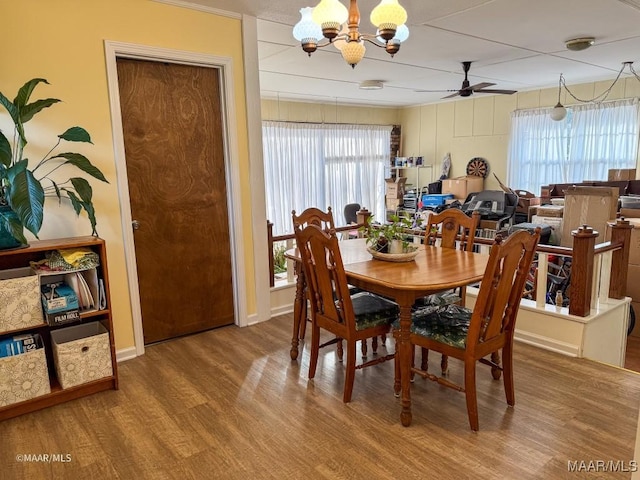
<point>331,20</point>
<point>559,112</point>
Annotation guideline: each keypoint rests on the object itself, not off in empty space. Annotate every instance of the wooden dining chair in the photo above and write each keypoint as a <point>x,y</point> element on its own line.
<point>473,335</point>
<point>324,220</point>
<point>451,228</point>
<point>349,317</point>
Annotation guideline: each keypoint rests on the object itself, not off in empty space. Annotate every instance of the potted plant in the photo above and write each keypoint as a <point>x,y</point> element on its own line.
<point>388,237</point>
<point>24,185</point>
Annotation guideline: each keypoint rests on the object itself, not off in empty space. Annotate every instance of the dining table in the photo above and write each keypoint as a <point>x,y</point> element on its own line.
<point>433,270</point>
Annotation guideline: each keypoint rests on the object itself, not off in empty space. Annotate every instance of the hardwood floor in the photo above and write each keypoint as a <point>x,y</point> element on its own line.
<point>230,404</point>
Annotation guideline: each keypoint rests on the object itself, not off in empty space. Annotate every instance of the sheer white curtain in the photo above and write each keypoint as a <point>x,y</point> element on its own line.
<point>537,150</point>
<point>321,165</point>
<point>592,139</point>
<point>603,136</point>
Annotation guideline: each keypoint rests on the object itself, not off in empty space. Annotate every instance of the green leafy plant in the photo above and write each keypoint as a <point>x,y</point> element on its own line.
<point>279,260</point>
<point>23,187</point>
<point>379,236</point>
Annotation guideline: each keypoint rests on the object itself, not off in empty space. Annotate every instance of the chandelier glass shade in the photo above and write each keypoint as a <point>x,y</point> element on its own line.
<point>331,20</point>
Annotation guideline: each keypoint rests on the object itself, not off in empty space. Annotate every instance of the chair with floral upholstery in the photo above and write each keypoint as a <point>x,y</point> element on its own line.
<point>451,228</point>
<point>473,335</point>
<point>352,318</point>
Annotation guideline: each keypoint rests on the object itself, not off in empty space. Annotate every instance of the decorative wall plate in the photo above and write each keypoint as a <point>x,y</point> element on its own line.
<point>478,167</point>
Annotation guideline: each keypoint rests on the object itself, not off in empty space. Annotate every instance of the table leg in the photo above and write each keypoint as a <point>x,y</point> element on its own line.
<point>405,356</point>
<point>299,312</point>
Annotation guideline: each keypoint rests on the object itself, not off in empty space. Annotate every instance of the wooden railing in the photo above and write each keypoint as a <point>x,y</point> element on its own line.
<point>598,272</point>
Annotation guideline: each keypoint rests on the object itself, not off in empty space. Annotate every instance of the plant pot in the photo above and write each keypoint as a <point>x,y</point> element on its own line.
<point>396,246</point>
<point>7,241</point>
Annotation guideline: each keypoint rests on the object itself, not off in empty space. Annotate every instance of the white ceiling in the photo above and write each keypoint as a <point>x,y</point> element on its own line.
<point>516,44</point>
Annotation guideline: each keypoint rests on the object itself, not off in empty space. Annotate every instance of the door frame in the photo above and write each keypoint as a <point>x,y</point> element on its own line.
<point>115,50</point>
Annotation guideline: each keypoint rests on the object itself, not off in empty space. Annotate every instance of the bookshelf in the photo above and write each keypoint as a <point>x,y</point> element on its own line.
<point>417,176</point>
<point>20,258</point>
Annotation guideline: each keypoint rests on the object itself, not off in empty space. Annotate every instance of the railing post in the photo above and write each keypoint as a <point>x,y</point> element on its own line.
<point>362,217</point>
<point>620,232</point>
<point>584,241</point>
<point>272,274</point>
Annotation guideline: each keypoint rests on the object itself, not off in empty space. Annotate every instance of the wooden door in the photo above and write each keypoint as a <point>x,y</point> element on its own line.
<point>173,135</point>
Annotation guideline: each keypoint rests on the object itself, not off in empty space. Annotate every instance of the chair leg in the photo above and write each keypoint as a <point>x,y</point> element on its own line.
<point>424,364</point>
<point>470,392</point>
<point>507,365</point>
<point>315,347</point>
<point>339,350</point>
<point>350,372</point>
<point>444,365</point>
<point>374,345</point>
<point>363,347</point>
<point>383,338</point>
<point>413,362</point>
<point>495,372</point>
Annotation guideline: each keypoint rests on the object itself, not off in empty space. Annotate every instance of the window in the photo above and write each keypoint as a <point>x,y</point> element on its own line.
<point>323,165</point>
<point>591,140</point>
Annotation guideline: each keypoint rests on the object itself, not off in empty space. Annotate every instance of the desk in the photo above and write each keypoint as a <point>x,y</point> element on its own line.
<point>433,270</point>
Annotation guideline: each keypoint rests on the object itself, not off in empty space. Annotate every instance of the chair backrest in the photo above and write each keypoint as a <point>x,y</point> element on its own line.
<point>326,279</point>
<point>452,224</point>
<point>351,213</point>
<point>501,289</point>
<point>314,216</point>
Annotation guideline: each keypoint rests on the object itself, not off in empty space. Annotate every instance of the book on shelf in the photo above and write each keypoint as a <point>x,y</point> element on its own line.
<point>20,344</point>
<point>60,303</point>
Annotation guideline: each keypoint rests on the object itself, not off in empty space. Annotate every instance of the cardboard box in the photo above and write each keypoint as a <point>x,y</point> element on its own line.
<point>81,353</point>
<point>20,305</point>
<point>395,187</point>
<point>461,187</point>
<point>23,377</point>
<point>617,174</point>
<point>634,243</point>
<point>592,206</point>
<point>550,211</point>
<point>393,203</point>
<point>630,212</point>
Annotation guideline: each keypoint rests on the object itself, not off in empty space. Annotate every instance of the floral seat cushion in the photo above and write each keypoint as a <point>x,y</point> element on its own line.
<point>447,324</point>
<point>372,310</point>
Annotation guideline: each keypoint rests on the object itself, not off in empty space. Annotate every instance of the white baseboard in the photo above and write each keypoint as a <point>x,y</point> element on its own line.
<point>547,343</point>
<point>281,310</point>
<point>126,354</point>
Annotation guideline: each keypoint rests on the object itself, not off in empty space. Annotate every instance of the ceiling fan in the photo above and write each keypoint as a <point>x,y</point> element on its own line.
<point>467,90</point>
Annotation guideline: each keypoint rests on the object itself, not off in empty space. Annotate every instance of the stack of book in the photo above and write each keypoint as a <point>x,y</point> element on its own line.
<point>20,344</point>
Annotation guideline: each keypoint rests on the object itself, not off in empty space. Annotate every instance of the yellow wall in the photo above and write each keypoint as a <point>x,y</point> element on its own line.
<point>330,113</point>
<point>63,41</point>
<point>479,126</point>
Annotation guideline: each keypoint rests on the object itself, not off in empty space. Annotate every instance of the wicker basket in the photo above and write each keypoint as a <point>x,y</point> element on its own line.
<point>394,257</point>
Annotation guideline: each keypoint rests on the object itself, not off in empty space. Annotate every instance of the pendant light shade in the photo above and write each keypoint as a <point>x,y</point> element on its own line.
<point>341,27</point>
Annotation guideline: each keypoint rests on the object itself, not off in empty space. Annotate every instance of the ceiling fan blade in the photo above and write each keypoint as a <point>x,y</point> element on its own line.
<point>478,86</point>
<point>435,91</point>
<point>489,90</point>
<point>453,94</point>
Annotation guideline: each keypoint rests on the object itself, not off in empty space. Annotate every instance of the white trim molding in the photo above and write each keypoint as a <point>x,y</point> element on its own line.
<point>114,50</point>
